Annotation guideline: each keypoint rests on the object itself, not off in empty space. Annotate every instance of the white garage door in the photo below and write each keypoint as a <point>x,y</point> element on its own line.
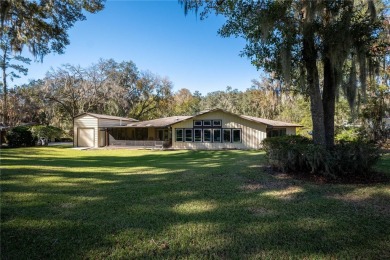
<point>85,137</point>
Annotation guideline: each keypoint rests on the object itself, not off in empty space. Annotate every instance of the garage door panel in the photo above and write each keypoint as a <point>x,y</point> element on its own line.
<point>86,137</point>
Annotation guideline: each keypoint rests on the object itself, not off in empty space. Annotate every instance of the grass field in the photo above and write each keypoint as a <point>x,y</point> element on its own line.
<point>62,203</point>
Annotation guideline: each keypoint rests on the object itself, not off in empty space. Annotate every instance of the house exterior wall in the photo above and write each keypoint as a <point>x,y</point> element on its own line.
<point>291,130</point>
<point>112,122</point>
<point>251,133</point>
<point>102,137</point>
<point>103,123</point>
<point>86,121</point>
<point>98,124</point>
<point>152,133</point>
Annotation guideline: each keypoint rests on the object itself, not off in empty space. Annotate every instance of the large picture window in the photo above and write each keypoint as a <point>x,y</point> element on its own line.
<point>207,135</point>
<point>217,135</point>
<point>179,135</point>
<point>188,135</point>
<point>197,135</point>
<point>227,135</point>
<point>236,135</point>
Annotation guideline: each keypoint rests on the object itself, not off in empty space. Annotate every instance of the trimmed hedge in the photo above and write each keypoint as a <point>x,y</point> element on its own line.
<point>20,136</point>
<point>299,154</point>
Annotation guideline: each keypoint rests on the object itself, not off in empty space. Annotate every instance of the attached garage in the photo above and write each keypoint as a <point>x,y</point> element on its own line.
<point>90,129</point>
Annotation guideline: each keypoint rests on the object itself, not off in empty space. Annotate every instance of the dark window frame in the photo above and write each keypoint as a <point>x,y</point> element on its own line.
<point>274,132</point>
<point>211,136</point>
<point>240,135</point>
<point>217,120</point>
<point>220,135</point>
<point>182,134</point>
<point>207,120</point>
<point>223,135</point>
<point>201,135</point>
<point>200,121</point>
<point>191,136</point>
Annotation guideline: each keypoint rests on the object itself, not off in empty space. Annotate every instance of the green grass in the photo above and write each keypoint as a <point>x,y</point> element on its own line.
<point>63,203</point>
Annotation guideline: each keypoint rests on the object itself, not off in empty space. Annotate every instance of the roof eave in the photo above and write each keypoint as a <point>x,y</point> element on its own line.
<point>103,117</point>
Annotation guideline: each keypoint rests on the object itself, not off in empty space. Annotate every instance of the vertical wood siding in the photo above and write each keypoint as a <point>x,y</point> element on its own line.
<point>112,122</point>
<point>251,133</point>
<point>86,121</point>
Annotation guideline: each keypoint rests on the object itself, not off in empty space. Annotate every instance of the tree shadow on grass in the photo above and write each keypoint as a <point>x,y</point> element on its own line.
<point>181,205</point>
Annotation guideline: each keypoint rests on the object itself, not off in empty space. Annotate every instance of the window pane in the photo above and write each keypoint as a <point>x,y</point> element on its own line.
<point>198,135</point>
<point>226,135</point>
<point>217,123</point>
<point>197,122</point>
<point>207,122</point>
<point>276,132</point>
<point>217,135</point>
<point>179,135</point>
<point>207,135</point>
<point>188,133</point>
<point>236,135</point>
<point>141,134</point>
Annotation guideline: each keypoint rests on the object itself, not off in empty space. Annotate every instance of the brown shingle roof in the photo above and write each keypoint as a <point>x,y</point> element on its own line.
<point>269,122</point>
<point>167,121</point>
<point>107,117</point>
<point>160,122</point>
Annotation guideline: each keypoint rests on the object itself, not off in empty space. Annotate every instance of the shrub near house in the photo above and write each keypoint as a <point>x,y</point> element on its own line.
<point>20,136</point>
<point>299,154</point>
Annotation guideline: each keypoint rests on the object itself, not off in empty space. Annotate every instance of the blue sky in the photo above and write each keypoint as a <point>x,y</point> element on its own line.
<point>158,37</point>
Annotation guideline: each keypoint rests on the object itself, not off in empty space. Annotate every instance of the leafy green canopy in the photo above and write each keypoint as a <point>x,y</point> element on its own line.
<point>39,25</point>
<point>306,44</point>
<point>42,25</point>
<point>43,131</point>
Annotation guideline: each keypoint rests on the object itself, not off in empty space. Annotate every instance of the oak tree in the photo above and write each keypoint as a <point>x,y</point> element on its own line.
<point>41,26</point>
<point>304,41</point>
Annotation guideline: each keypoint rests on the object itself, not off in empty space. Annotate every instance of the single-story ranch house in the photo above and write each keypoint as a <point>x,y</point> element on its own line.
<point>211,129</point>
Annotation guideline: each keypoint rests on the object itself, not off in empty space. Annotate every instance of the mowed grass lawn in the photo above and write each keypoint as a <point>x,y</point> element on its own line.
<point>61,203</point>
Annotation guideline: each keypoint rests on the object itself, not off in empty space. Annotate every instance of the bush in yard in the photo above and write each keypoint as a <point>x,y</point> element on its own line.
<point>299,154</point>
<point>350,134</point>
<point>20,136</point>
<point>354,158</point>
<point>285,152</point>
<point>46,132</point>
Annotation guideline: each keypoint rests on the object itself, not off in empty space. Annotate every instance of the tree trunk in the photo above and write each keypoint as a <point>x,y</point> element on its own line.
<point>5,101</point>
<point>310,60</point>
<point>329,101</point>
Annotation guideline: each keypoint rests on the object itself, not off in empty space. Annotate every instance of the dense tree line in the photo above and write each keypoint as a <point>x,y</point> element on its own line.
<point>121,89</point>
<point>107,87</point>
<point>326,53</point>
<point>41,27</point>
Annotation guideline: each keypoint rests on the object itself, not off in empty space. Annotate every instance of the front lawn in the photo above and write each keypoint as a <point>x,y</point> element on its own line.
<point>58,202</point>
